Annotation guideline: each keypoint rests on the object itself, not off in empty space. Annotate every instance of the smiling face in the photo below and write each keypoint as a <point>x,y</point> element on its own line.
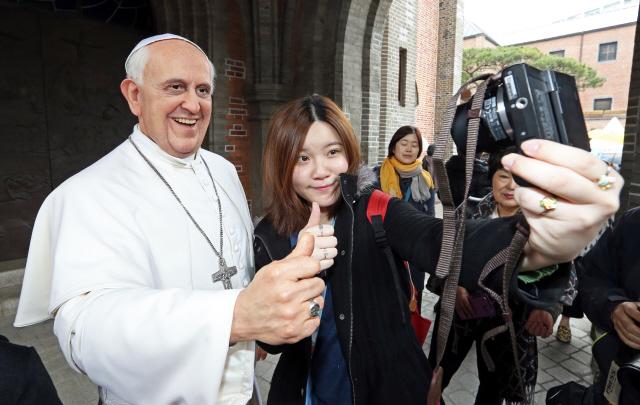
<point>503,187</point>
<point>321,160</point>
<point>174,102</point>
<point>406,150</point>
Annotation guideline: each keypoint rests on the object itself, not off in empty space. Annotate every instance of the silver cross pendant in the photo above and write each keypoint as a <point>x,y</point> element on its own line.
<point>224,274</point>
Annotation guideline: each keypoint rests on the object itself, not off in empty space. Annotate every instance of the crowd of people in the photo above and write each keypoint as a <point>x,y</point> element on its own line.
<point>160,287</point>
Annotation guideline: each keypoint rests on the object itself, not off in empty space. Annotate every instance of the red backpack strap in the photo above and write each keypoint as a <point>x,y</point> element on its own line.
<point>378,204</point>
<point>376,210</point>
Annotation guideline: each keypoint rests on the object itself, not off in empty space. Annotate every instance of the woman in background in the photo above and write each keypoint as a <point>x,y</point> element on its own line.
<point>402,175</point>
<point>528,322</point>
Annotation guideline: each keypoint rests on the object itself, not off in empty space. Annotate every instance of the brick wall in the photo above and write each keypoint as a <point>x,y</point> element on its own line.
<point>449,70</point>
<point>400,32</point>
<point>479,41</point>
<point>585,48</point>
<point>426,62</point>
<point>231,128</point>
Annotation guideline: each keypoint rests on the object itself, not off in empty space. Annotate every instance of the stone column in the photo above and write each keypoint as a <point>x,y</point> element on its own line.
<point>262,99</point>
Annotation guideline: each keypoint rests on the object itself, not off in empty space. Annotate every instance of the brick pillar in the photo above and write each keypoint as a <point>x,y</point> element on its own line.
<point>426,63</point>
<point>262,99</point>
<point>237,116</point>
<point>630,197</point>
<point>449,71</point>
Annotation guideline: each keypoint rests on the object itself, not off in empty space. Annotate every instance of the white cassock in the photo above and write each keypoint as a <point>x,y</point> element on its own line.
<point>127,275</point>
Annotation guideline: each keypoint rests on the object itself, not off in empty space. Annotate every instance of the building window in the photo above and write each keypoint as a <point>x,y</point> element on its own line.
<point>608,52</point>
<point>559,53</point>
<point>611,7</point>
<point>602,104</point>
<point>592,12</point>
<point>402,78</point>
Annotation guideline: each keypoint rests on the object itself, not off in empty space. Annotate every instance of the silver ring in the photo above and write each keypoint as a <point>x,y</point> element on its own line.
<point>321,230</point>
<point>325,253</point>
<point>314,308</point>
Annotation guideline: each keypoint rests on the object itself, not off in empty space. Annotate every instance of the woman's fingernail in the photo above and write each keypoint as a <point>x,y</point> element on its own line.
<point>508,161</point>
<point>530,146</point>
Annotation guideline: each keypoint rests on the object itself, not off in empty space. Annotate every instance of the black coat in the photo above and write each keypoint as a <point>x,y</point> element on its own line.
<point>23,378</point>
<point>480,185</point>
<point>610,273</point>
<point>385,361</point>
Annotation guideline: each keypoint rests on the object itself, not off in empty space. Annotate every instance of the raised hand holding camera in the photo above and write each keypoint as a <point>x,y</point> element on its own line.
<point>567,173</point>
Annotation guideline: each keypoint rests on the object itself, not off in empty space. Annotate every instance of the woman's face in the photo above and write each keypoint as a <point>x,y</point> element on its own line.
<point>406,150</point>
<point>503,186</point>
<point>321,160</point>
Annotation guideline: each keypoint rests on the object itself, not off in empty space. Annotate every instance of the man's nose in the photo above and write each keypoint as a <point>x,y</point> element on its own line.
<point>191,102</point>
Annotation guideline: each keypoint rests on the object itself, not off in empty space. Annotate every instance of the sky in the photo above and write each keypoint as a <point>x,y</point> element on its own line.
<point>501,17</point>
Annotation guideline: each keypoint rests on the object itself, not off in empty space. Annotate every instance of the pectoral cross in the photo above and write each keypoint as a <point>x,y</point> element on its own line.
<point>224,274</point>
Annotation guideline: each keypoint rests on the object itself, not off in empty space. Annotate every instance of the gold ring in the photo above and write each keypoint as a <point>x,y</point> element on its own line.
<point>548,203</point>
<point>605,181</point>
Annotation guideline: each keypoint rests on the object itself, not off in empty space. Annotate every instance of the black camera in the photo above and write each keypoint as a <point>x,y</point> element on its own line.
<point>523,103</point>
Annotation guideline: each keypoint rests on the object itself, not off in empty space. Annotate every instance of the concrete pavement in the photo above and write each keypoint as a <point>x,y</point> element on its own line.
<point>558,362</point>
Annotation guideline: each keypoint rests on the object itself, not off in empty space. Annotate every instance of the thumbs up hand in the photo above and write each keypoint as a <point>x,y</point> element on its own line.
<point>324,248</point>
<point>275,307</point>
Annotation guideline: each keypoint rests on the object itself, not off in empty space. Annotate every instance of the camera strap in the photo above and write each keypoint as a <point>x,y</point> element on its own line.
<point>450,259</point>
<point>448,268</point>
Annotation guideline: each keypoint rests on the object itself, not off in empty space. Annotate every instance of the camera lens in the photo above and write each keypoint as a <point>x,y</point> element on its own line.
<point>495,130</point>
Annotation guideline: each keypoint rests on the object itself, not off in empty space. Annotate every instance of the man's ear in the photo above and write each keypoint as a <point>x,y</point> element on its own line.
<point>131,91</point>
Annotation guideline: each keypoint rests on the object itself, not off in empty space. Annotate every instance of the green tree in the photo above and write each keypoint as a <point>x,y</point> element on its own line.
<point>476,61</point>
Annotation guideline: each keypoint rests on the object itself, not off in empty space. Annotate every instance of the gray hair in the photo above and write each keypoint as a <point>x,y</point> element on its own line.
<point>137,62</point>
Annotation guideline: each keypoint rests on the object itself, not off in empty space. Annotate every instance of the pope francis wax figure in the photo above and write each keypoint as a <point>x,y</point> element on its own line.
<point>143,258</point>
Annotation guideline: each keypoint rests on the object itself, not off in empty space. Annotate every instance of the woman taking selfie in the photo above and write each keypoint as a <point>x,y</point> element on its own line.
<point>365,350</point>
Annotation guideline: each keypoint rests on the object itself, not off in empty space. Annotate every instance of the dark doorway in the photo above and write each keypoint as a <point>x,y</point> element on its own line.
<point>60,108</point>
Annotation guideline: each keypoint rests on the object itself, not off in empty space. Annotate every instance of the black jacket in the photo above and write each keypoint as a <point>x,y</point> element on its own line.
<point>385,361</point>
<point>610,273</point>
<point>23,378</point>
<point>480,183</point>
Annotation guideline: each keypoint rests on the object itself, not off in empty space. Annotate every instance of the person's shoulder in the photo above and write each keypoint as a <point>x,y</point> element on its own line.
<point>264,226</point>
<point>93,178</point>
<point>627,226</point>
<point>632,216</point>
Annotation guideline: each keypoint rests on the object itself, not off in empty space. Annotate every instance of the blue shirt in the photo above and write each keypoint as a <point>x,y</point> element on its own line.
<point>328,382</point>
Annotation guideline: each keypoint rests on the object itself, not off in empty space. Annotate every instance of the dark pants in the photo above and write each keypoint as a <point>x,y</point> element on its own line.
<point>489,389</point>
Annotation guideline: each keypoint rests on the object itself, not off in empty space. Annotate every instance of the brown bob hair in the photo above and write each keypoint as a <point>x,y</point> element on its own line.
<point>288,212</point>
<point>401,133</point>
